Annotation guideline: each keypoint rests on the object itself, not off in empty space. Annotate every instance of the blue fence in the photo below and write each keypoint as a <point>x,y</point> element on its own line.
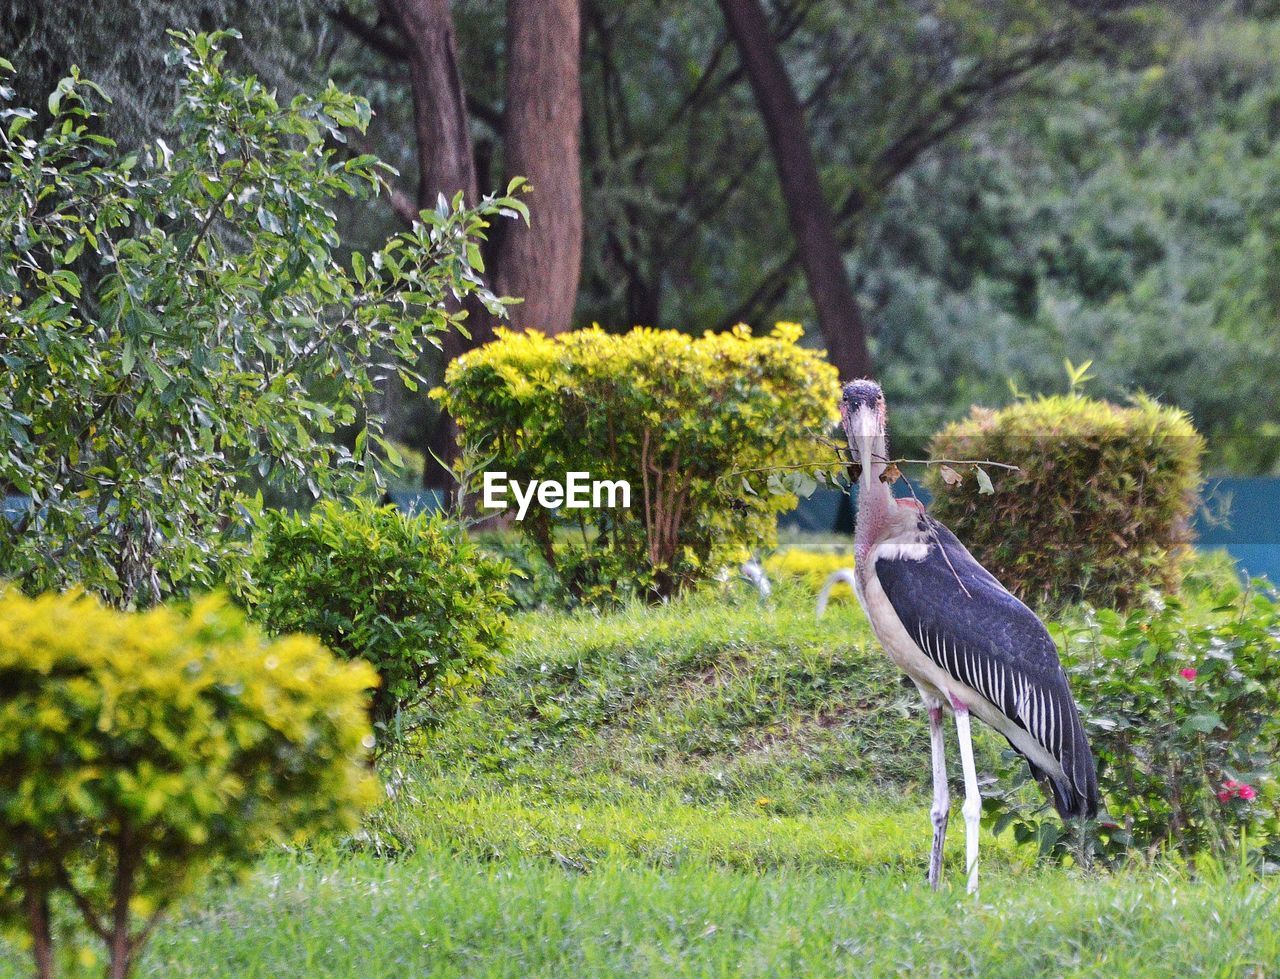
<point>1239,515</point>
<point>1242,516</point>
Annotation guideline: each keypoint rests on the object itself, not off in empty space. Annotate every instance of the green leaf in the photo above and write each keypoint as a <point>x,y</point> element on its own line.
<point>1205,722</point>
<point>64,86</point>
<point>158,376</point>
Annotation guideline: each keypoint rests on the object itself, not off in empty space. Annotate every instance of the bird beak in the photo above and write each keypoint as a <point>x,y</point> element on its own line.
<point>861,428</point>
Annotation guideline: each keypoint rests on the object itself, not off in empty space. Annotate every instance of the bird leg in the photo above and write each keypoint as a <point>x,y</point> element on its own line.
<point>941,795</point>
<point>972,797</point>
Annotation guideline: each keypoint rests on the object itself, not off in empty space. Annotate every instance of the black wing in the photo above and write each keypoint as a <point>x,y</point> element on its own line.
<point>972,627</point>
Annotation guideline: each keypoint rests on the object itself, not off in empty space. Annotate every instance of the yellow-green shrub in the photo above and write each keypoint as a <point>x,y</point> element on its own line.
<point>812,568</point>
<point>1100,507</point>
<point>673,415</point>
<point>138,748</point>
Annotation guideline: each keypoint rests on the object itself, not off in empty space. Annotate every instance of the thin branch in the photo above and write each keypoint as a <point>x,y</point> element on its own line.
<point>81,902</point>
<point>216,209</point>
<point>370,34</point>
<point>888,462</point>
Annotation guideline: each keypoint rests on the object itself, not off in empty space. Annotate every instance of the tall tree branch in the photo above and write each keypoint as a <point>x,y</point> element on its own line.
<point>948,112</point>
<point>808,212</point>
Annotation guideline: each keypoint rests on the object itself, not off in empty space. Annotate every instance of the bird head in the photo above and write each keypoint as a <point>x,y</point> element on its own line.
<point>862,412</point>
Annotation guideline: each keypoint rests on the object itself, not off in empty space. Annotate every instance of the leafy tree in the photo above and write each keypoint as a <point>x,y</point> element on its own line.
<point>176,319</point>
<point>120,44</point>
<point>681,151</point>
<point>1129,220</point>
<point>1011,183</point>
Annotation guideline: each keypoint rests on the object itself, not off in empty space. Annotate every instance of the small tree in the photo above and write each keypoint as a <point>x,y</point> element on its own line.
<point>138,749</point>
<point>714,436</point>
<point>175,320</point>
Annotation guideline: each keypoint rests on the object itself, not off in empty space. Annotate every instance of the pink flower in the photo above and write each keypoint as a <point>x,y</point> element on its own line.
<point>1231,789</point>
<point>1188,673</point>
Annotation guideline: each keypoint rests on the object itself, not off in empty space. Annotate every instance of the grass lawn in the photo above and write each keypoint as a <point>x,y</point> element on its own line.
<point>717,787</point>
<point>434,914</point>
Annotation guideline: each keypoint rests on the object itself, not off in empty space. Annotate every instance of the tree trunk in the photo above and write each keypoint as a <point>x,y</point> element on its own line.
<point>541,263</point>
<point>808,212</point>
<point>446,165</point>
<point>38,924</point>
<point>121,947</point>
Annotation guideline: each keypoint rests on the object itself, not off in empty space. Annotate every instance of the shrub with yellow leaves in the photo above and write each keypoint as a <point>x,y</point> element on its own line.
<point>139,749</point>
<point>812,568</point>
<point>713,434</point>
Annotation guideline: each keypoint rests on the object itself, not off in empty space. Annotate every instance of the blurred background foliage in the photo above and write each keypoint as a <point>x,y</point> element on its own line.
<point>1012,183</point>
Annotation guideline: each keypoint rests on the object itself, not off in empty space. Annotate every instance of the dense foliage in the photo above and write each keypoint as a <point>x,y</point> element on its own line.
<point>1119,205</point>
<point>689,423</point>
<point>176,319</point>
<point>412,595</point>
<point>1099,508</point>
<point>1126,213</point>
<point>1182,704</point>
<point>1002,208</point>
<point>137,749</point>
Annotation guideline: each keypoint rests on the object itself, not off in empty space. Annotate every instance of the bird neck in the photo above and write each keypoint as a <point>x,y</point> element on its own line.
<point>875,499</point>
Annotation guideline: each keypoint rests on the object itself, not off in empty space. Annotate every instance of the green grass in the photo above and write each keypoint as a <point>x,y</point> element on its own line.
<point>440,916</point>
<point>715,787</point>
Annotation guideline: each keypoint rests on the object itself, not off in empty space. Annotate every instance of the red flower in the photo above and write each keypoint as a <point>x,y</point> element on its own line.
<point>1232,789</point>
<point>1188,673</point>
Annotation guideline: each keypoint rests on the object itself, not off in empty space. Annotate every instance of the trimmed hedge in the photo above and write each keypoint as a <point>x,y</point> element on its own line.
<point>688,422</point>
<point>1100,508</point>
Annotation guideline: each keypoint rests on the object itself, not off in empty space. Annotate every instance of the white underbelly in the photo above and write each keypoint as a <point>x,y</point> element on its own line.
<point>936,682</point>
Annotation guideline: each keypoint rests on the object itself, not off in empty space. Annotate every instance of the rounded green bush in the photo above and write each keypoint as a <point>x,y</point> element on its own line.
<point>411,595</point>
<point>138,748</point>
<point>1099,508</point>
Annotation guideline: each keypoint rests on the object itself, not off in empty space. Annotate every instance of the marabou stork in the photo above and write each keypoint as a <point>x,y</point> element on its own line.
<point>961,636</point>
